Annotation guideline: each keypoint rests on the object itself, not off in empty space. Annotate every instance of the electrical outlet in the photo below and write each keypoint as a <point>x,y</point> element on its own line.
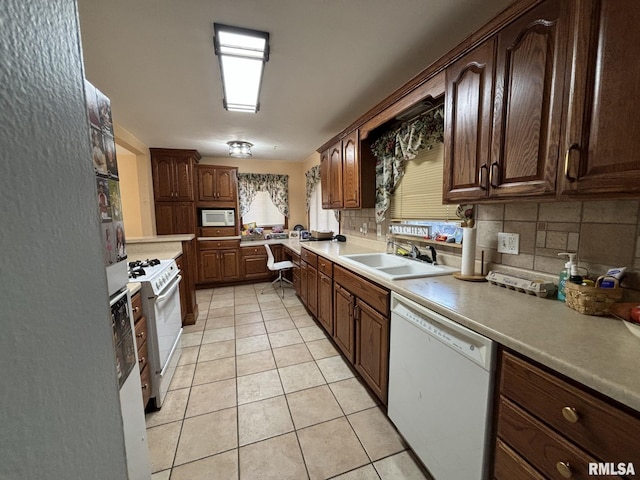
<point>364,228</point>
<point>509,243</point>
<point>378,230</point>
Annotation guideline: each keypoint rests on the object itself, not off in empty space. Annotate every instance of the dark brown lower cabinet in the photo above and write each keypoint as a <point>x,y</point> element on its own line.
<point>551,427</point>
<point>361,327</point>
<point>372,348</point>
<point>325,302</point>
<point>303,282</point>
<point>344,323</point>
<point>219,261</point>
<point>312,290</point>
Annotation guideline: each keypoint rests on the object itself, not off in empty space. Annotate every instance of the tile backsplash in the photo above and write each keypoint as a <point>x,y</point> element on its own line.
<point>604,233</point>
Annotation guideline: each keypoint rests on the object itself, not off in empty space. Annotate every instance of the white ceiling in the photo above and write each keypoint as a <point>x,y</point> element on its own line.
<point>331,61</point>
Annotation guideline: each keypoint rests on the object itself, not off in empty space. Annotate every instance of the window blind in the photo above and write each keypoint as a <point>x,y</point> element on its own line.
<point>263,212</point>
<point>419,193</point>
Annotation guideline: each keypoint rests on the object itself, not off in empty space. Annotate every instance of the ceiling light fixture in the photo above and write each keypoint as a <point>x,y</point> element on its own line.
<point>239,149</point>
<point>242,54</point>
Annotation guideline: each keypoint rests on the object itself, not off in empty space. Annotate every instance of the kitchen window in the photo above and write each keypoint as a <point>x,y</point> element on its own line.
<point>261,195</point>
<point>320,219</point>
<point>418,195</point>
<point>263,212</point>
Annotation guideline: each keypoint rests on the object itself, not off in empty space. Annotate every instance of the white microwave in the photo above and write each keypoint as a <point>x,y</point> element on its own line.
<point>218,218</point>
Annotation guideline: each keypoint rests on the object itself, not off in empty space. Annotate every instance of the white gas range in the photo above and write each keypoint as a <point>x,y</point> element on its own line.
<point>160,282</point>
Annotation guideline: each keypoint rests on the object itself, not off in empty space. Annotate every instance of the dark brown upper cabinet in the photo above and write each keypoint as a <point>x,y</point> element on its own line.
<point>217,185</point>
<point>467,127</point>
<point>504,110</point>
<point>601,145</point>
<point>531,60</point>
<point>347,175</point>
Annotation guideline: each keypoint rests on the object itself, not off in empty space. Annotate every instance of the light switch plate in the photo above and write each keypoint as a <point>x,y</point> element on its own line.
<point>509,243</point>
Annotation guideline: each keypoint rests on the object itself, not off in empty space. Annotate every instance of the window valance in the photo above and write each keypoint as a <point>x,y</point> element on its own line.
<point>277,186</point>
<point>399,145</point>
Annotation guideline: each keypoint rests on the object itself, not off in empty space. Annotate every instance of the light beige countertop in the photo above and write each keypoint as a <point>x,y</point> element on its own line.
<point>293,243</point>
<point>134,287</point>
<point>161,238</point>
<point>164,247</point>
<point>596,351</point>
<point>161,250</point>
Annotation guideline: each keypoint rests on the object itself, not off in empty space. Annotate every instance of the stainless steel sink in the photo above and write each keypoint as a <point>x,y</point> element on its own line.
<point>394,267</point>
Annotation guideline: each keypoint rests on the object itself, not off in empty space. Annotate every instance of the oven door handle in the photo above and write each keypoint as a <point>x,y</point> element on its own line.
<point>170,289</point>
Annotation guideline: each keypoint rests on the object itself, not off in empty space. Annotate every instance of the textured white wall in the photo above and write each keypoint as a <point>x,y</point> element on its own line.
<point>59,403</point>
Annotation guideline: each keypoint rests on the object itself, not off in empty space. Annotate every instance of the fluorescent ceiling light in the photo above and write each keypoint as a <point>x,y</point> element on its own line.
<point>242,54</point>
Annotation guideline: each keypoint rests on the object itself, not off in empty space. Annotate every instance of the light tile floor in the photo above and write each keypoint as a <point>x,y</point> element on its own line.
<point>261,393</point>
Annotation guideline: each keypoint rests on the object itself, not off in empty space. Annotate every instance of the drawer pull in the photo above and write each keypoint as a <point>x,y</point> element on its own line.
<point>570,414</point>
<point>141,360</point>
<point>140,335</point>
<point>564,469</point>
<point>145,386</point>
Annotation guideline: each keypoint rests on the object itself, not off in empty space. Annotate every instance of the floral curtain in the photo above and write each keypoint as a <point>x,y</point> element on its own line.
<point>313,176</point>
<point>251,183</point>
<point>396,146</point>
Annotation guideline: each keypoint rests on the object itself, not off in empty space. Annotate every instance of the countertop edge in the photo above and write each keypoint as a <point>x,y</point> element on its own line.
<point>162,238</point>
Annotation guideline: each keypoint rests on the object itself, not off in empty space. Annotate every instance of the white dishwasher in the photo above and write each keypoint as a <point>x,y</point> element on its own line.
<point>440,389</point>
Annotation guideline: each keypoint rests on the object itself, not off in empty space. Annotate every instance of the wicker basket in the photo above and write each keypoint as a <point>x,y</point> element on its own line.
<point>592,300</point>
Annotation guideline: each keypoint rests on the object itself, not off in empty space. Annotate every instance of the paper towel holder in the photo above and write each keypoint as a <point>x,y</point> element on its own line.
<point>473,278</point>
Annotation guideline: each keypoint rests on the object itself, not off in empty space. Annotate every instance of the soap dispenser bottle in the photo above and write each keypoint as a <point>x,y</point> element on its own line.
<point>575,277</point>
<point>566,274</point>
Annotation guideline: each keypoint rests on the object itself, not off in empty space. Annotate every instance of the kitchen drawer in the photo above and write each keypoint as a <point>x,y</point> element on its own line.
<point>218,244</point>
<point>252,251</point>
<point>546,451</point>
<point>325,266</point>
<point>509,465</point>
<point>592,423</point>
<point>145,381</point>
<point>295,258</point>
<point>143,356</point>
<point>141,332</point>
<point>217,231</point>
<point>374,295</point>
<point>310,258</point>
<point>136,307</point>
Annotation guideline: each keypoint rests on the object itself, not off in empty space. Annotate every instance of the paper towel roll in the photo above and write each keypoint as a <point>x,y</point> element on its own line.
<point>468,251</point>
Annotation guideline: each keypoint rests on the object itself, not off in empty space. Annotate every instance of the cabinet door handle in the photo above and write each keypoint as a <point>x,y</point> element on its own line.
<point>141,360</point>
<point>570,414</point>
<point>564,469</point>
<point>356,313</point>
<point>567,160</point>
<point>481,177</point>
<point>491,177</point>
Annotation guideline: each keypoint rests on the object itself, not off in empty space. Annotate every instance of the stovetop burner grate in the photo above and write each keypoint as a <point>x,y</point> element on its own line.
<point>144,263</point>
